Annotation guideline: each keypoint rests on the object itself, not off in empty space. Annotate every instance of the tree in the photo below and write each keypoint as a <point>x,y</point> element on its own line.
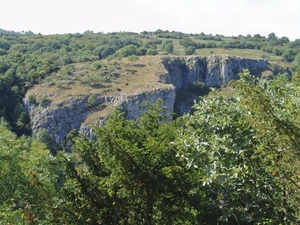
<point>190,50</point>
<point>246,150</point>
<point>187,41</point>
<point>127,51</point>
<point>43,136</point>
<point>131,174</point>
<point>296,63</point>
<point>92,101</point>
<point>272,36</point>
<point>28,180</point>
<point>151,51</point>
<point>169,47</point>
<point>288,55</point>
<point>107,51</point>
<point>278,131</point>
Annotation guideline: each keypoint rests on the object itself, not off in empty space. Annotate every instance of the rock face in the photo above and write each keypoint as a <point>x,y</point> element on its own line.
<point>213,71</point>
<point>60,119</point>
<point>73,112</point>
<point>183,71</point>
<point>221,70</point>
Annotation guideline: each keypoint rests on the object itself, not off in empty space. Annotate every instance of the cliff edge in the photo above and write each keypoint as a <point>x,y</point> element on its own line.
<point>148,79</point>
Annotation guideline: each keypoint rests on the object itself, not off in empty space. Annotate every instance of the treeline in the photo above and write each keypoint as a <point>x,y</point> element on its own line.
<point>279,46</point>
<point>234,161</point>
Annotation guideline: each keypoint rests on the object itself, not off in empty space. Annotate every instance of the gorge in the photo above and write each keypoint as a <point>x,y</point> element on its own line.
<point>174,76</point>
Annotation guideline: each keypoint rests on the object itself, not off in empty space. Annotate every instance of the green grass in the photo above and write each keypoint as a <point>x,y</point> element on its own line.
<point>245,53</point>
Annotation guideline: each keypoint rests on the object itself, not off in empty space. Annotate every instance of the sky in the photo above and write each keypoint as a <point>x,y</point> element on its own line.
<point>226,17</point>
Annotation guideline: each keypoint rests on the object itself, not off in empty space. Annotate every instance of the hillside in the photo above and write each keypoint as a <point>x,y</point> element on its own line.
<point>86,96</point>
<point>37,61</point>
<point>218,143</point>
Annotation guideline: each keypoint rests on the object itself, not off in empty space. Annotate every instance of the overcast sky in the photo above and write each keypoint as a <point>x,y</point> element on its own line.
<point>227,17</point>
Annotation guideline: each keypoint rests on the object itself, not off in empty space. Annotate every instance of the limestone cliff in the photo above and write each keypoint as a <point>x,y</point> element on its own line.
<point>213,71</point>
<point>221,70</point>
<point>182,71</point>
<point>173,75</point>
<point>74,112</point>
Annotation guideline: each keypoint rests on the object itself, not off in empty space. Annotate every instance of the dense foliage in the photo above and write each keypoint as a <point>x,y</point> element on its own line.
<point>27,58</point>
<point>234,161</point>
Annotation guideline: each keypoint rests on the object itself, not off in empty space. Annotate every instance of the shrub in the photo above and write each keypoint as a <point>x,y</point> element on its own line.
<point>92,101</point>
<point>151,51</point>
<point>42,99</point>
<point>32,99</point>
<point>190,50</point>
<point>198,87</point>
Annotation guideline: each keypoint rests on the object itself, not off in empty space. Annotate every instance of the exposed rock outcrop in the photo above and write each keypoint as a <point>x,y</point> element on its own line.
<point>59,119</point>
<point>221,70</point>
<point>73,112</point>
<point>213,71</point>
<point>183,71</point>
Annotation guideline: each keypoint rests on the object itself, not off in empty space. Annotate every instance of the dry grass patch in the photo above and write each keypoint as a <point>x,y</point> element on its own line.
<point>111,78</point>
<point>101,112</point>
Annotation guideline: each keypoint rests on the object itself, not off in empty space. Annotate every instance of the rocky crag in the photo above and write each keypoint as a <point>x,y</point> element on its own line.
<point>74,111</point>
<point>213,71</point>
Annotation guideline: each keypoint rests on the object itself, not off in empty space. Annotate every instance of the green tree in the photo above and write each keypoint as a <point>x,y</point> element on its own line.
<point>190,50</point>
<point>245,149</point>
<point>288,55</point>
<point>296,63</point>
<point>92,100</point>
<point>27,180</point>
<point>130,175</point>
<point>127,51</point>
<point>169,47</point>
<point>274,115</point>
<point>187,41</point>
<point>151,51</point>
<point>43,136</point>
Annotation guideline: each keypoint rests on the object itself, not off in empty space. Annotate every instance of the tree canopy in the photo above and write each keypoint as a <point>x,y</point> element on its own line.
<point>234,161</point>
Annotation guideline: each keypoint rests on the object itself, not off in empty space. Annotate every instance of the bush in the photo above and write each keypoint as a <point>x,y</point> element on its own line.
<point>32,99</point>
<point>92,101</point>
<point>42,135</point>
<point>187,41</point>
<point>278,52</point>
<point>198,87</point>
<point>169,47</point>
<point>42,99</point>
<point>190,50</point>
<point>151,51</point>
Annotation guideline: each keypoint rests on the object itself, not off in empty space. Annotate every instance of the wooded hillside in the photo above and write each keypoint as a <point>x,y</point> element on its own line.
<point>235,160</point>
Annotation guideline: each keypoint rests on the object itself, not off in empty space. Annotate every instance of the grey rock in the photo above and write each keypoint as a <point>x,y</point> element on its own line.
<point>60,119</point>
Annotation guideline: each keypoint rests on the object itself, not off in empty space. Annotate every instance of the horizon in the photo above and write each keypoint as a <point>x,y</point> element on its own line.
<point>236,17</point>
